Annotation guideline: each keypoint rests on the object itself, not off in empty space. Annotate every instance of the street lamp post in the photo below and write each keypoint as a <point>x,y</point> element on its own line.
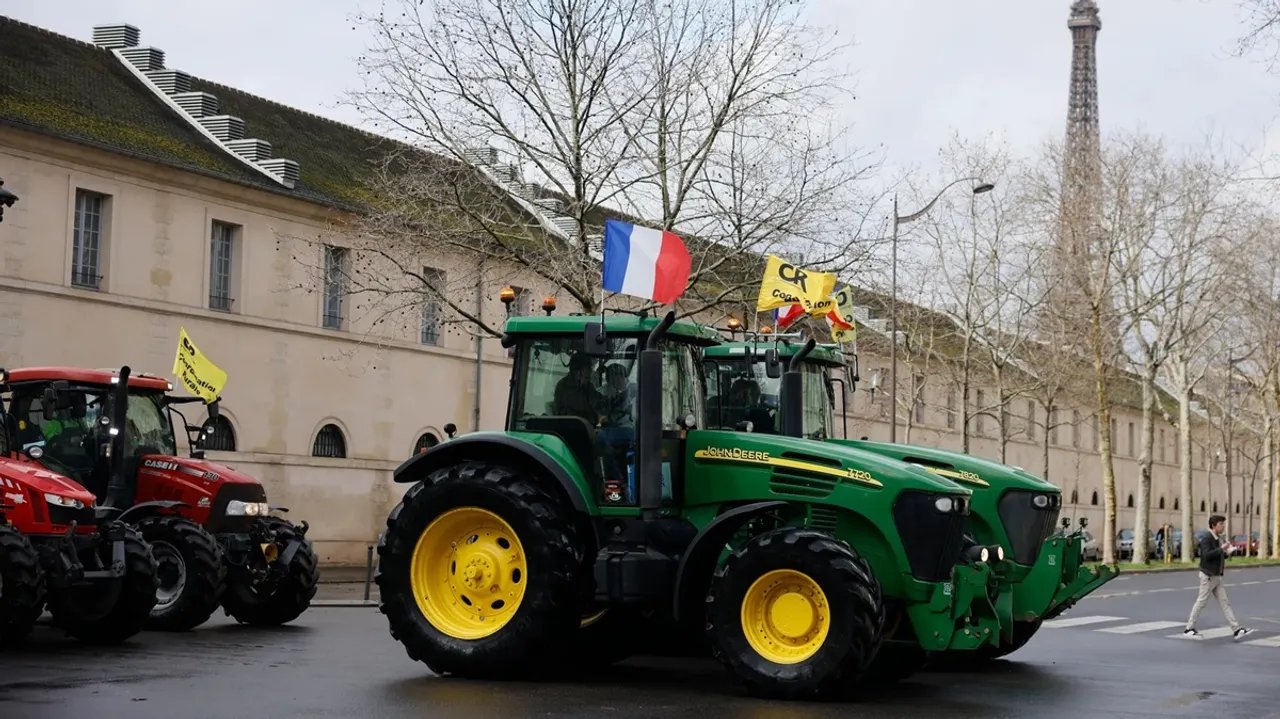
<point>898,220</point>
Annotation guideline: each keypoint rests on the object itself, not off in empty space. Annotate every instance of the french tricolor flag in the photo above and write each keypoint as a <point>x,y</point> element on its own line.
<point>783,317</point>
<point>642,262</point>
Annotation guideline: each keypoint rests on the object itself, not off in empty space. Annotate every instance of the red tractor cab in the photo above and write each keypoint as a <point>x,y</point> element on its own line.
<point>212,531</point>
<point>59,548</point>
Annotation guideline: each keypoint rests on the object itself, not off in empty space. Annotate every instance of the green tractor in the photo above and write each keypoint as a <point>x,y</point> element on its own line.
<point>605,507</point>
<point>1040,572</point>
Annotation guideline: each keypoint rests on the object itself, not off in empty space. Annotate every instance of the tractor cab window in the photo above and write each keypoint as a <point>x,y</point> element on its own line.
<point>818,402</point>
<point>739,392</point>
<point>69,443</point>
<point>149,428</point>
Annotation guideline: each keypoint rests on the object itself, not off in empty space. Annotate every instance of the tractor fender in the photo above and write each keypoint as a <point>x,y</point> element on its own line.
<point>149,509</point>
<point>693,578</point>
<point>490,447</point>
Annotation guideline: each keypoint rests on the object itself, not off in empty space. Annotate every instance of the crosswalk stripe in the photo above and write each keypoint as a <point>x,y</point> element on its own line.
<point>1079,621</point>
<point>1265,642</point>
<point>1140,627</point>
<point>1215,633</point>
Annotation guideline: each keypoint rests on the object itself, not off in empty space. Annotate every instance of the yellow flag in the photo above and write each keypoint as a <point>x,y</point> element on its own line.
<point>843,326</point>
<point>200,376</point>
<point>785,284</point>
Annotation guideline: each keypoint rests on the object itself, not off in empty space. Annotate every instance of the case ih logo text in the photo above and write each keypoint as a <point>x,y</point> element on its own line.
<point>160,464</point>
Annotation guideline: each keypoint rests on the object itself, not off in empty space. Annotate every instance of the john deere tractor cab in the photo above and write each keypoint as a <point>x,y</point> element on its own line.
<point>1041,574</point>
<point>209,525</point>
<point>606,495</point>
<point>58,546</point>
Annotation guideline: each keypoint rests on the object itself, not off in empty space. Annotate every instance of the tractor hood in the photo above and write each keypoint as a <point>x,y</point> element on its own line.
<point>854,464</point>
<point>19,475</point>
<point>189,469</point>
<point>973,472</point>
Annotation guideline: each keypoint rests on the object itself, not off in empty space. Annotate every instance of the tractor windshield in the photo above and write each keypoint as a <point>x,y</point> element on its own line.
<point>554,378</point>
<point>150,429</point>
<point>739,392</point>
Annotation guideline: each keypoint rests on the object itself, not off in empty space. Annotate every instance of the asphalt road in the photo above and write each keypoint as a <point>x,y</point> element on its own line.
<point>341,663</point>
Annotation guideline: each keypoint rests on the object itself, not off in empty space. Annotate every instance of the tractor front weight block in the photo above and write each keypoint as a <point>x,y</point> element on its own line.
<point>959,615</point>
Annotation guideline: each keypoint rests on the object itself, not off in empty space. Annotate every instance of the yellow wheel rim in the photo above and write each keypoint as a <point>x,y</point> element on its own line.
<point>785,616</point>
<point>468,573</point>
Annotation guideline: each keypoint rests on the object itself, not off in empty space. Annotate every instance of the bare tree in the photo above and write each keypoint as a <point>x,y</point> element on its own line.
<point>1262,30</point>
<point>517,124</point>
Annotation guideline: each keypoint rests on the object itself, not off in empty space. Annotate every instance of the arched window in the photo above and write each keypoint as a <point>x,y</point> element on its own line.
<point>1162,503</point>
<point>1130,502</point>
<point>1094,499</point>
<point>1237,507</point>
<point>1202,505</point>
<point>1075,497</point>
<point>1175,504</point>
<point>1258,510</point>
<point>1215,506</point>
<point>329,442</point>
<point>425,442</point>
<point>220,436</point>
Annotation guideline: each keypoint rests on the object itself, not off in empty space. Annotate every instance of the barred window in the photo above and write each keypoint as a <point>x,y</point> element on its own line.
<point>86,243</point>
<point>435,280</point>
<point>220,257</point>
<point>335,285</point>
<point>220,436</point>
<point>329,443</point>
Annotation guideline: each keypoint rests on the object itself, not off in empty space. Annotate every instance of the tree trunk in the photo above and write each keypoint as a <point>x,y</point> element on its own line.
<point>1226,511</point>
<point>1142,519</point>
<point>1184,470</point>
<point>1044,446</point>
<point>964,410</point>
<point>1104,445</point>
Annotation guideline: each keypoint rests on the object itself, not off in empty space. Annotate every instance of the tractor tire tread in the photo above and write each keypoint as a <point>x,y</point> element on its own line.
<point>22,587</point>
<point>206,572</point>
<point>133,605</point>
<point>291,597</point>
<point>848,651</point>
<point>551,609</point>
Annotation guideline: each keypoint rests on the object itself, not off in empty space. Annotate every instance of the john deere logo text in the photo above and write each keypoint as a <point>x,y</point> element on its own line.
<point>733,453</point>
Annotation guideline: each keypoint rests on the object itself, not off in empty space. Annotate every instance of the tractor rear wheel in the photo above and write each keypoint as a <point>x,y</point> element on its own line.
<point>480,573</point>
<point>795,613</point>
<point>191,573</point>
<point>291,595</point>
<point>21,586</point>
<point>110,611</point>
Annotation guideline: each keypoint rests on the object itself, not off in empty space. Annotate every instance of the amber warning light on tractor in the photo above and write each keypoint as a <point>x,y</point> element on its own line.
<point>548,304</point>
<point>507,295</point>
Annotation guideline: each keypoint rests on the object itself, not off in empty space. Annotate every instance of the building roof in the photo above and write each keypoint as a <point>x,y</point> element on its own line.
<point>73,90</point>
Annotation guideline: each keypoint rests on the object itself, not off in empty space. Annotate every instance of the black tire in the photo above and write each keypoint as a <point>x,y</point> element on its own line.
<point>856,623</point>
<point>551,609</point>
<point>22,588</point>
<point>190,571</point>
<point>1022,633</point>
<point>87,612</point>
<point>289,598</point>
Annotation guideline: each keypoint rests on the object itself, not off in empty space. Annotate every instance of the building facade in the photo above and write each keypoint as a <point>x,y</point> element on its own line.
<point>152,201</point>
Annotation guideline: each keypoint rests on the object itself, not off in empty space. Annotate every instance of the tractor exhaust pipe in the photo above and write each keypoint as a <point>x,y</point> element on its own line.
<point>116,489</point>
<point>649,422</point>
<point>791,393</point>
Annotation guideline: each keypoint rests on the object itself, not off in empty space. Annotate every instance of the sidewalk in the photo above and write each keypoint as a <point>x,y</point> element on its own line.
<point>344,587</point>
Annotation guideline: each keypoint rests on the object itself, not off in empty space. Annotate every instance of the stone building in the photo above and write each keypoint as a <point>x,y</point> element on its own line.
<point>152,200</point>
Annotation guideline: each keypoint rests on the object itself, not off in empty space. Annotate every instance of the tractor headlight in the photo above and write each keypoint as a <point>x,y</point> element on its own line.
<point>977,553</point>
<point>1041,500</point>
<point>944,504</point>
<point>236,508</point>
<point>60,501</point>
<point>998,551</point>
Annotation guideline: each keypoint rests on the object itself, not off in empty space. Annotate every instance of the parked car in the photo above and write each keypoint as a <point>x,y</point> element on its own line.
<point>1091,551</point>
<point>1245,546</point>
<point>1124,544</point>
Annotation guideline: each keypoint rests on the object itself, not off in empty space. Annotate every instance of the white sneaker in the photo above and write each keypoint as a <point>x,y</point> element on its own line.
<point>1192,634</point>
<point>1241,631</point>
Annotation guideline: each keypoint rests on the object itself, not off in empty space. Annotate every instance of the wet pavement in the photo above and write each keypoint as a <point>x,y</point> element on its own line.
<point>1113,655</point>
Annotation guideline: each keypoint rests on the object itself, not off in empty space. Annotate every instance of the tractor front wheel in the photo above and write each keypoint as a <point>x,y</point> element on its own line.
<point>480,572</point>
<point>288,596</point>
<point>795,613</point>
<point>191,573</point>
<point>21,586</point>
<point>110,611</point>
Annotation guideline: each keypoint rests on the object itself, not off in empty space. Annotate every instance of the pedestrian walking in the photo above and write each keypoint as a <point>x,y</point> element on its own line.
<point>1214,550</point>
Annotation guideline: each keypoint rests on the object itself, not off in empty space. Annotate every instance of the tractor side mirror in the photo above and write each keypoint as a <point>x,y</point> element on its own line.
<point>48,402</point>
<point>772,364</point>
<point>213,409</point>
<point>594,342</point>
<point>79,405</point>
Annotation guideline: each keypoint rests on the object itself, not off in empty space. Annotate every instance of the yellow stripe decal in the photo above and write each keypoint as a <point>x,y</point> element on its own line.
<point>966,477</point>
<point>762,458</point>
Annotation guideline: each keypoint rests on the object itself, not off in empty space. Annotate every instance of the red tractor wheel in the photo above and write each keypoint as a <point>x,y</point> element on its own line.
<point>190,570</point>
<point>112,611</point>
<point>288,597</point>
<point>21,586</point>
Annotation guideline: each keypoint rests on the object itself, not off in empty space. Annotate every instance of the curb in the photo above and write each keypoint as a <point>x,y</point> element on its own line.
<point>1171,570</point>
<point>331,603</point>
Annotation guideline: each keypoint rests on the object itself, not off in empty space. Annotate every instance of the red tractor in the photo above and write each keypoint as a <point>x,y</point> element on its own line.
<point>210,526</point>
<point>58,548</point>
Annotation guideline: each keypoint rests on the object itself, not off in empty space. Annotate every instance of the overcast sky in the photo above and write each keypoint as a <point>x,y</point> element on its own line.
<point>926,68</point>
